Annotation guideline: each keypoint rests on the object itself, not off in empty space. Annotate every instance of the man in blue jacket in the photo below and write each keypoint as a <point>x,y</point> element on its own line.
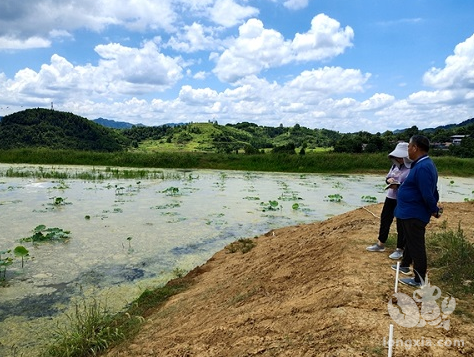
<point>417,201</point>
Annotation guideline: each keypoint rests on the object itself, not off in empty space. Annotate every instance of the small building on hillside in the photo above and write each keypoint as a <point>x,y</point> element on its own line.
<point>456,139</point>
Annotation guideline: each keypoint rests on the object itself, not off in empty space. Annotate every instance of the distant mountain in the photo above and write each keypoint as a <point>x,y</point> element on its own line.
<point>451,126</point>
<point>115,124</point>
<point>46,128</point>
<point>109,123</point>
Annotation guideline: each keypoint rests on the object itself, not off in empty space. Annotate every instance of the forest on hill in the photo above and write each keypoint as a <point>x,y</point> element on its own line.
<point>45,128</point>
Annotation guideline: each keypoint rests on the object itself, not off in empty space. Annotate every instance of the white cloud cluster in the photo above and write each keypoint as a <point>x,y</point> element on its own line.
<point>200,60</point>
<point>257,48</point>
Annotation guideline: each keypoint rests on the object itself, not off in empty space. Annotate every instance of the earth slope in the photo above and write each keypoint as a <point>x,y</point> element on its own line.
<point>309,290</point>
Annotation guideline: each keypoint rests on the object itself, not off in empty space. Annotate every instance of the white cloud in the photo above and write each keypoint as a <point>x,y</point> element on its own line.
<point>194,38</point>
<point>228,13</point>
<point>257,48</point>
<point>377,101</point>
<point>201,97</point>
<point>200,75</point>
<point>9,43</point>
<point>295,4</point>
<point>324,40</point>
<point>35,22</point>
<point>458,72</point>
<point>139,66</point>
<point>121,71</point>
<point>330,80</point>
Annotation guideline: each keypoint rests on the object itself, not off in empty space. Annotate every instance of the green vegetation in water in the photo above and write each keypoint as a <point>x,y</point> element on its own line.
<point>334,198</point>
<point>42,234</point>
<point>94,174</point>
<point>5,261</point>
<point>369,199</point>
<point>22,252</point>
<point>61,185</point>
<point>171,191</point>
<point>271,205</point>
<point>59,201</point>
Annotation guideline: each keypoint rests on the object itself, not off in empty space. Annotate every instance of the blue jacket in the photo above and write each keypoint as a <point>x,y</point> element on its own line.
<point>418,194</point>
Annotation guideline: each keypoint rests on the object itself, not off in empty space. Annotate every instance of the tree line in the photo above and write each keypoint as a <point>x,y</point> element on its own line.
<point>62,130</point>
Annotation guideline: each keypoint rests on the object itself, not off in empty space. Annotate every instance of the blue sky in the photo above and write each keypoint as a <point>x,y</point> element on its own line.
<point>344,65</point>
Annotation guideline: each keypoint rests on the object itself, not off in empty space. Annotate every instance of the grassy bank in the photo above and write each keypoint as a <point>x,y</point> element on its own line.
<point>320,162</point>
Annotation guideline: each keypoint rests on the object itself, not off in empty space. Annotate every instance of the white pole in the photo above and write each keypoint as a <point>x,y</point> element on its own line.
<point>396,277</point>
<point>390,333</point>
<point>390,341</point>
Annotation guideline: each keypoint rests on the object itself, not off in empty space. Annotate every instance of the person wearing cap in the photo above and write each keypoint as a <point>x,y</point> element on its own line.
<point>418,199</point>
<point>395,177</point>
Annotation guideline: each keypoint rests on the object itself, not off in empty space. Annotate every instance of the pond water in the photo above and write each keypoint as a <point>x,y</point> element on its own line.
<point>128,235</point>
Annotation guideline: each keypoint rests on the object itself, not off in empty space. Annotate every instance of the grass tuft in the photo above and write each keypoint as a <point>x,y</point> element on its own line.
<point>452,257</point>
<point>91,329</point>
<point>243,245</point>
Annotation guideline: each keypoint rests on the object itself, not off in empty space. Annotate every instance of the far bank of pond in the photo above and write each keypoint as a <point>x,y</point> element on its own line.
<point>127,234</point>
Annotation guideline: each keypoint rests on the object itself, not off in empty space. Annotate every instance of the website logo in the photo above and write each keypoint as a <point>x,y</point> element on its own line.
<point>421,308</point>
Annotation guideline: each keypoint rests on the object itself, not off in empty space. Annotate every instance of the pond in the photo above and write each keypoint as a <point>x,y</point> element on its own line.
<point>126,235</point>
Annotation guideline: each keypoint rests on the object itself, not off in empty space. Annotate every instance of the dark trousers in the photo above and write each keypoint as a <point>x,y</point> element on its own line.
<point>386,219</point>
<point>415,249</point>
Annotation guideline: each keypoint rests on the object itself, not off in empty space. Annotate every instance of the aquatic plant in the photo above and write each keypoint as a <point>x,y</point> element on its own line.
<point>271,205</point>
<point>4,263</point>
<point>167,206</point>
<point>41,234</point>
<point>370,199</point>
<point>171,191</point>
<point>130,249</point>
<point>62,185</point>
<point>22,252</point>
<point>59,201</point>
<point>334,198</point>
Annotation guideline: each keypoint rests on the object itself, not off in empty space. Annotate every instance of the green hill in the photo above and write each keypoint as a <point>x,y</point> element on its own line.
<point>242,137</point>
<point>44,128</point>
<point>47,128</point>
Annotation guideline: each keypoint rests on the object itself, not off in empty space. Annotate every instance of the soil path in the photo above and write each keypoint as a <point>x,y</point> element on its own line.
<point>309,290</point>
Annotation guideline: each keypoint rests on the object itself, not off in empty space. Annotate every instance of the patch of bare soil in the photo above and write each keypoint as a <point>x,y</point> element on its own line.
<point>309,290</point>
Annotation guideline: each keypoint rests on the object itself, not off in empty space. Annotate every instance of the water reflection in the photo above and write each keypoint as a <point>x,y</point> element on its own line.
<point>127,235</point>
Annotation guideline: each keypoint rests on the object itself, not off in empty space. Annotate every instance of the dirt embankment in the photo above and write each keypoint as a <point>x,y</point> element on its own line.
<point>309,290</point>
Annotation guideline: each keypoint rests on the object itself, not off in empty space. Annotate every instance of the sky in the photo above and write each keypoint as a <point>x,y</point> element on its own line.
<point>343,65</point>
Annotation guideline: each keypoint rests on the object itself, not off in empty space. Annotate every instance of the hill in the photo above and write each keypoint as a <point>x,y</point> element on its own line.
<point>60,130</point>
<point>114,124</point>
<point>309,290</point>
<point>57,130</point>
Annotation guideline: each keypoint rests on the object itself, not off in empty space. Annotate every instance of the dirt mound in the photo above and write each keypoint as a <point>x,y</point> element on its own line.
<point>309,290</point>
